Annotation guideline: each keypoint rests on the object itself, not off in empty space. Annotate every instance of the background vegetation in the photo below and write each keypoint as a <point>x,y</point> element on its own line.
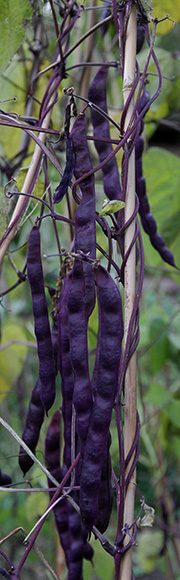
<point>28,43</point>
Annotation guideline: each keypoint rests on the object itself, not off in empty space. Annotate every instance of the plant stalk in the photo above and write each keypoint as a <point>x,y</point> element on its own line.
<point>129,283</point>
<point>27,183</point>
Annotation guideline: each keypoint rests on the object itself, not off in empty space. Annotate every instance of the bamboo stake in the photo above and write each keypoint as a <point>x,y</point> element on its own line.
<point>28,179</point>
<point>130,279</point>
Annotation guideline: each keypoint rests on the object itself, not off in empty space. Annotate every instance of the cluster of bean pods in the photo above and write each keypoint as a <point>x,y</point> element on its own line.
<point>86,402</point>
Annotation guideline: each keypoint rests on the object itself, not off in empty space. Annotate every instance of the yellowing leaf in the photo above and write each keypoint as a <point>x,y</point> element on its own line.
<point>4,388</point>
<point>13,357</point>
<point>12,14</point>
<point>36,505</point>
<point>111,206</point>
<point>39,187</point>
<point>12,84</point>
<point>148,519</point>
<point>163,9</point>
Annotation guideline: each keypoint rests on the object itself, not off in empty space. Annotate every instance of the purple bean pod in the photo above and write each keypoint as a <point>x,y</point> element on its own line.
<point>105,497</point>
<point>52,459</point>
<point>75,568</point>
<point>97,95</point>
<point>55,342</point>
<point>62,188</point>
<point>82,396</point>
<point>5,479</point>
<point>85,218</point>
<point>140,35</point>
<point>111,334</point>
<point>147,219</point>
<point>111,180</point>
<point>66,370</point>
<point>79,546</point>
<point>34,420</point>
<point>41,320</point>
<point>88,552</point>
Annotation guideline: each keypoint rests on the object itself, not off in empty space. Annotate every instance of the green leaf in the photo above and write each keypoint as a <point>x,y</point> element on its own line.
<point>157,395</point>
<point>149,545</point>
<point>175,446</point>
<point>160,108</point>
<point>111,206</point>
<point>12,14</point>
<point>173,412</point>
<point>159,350</point>
<point>161,171</point>
<point>103,572</point>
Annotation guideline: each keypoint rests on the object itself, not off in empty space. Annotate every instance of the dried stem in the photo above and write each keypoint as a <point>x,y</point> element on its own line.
<point>27,183</point>
<point>129,281</point>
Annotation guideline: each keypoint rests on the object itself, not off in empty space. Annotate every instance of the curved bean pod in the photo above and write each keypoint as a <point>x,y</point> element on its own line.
<point>111,323</point>
<point>97,95</point>
<point>147,219</point>
<point>61,189</point>
<point>34,420</point>
<point>41,320</point>
<point>85,224</point>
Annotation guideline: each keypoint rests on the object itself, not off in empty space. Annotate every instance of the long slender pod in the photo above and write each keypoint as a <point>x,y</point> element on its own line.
<point>52,459</point>
<point>34,420</point>
<point>105,496</point>
<point>85,224</point>
<point>82,397</point>
<point>41,320</point>
<point>97,95</point>
<point>61,189</point>
<point>77,544</point>
<point>55,342</point>
<point>147,219</point>
<point>111,322</point>
<point>35,415</point>
<point>66,370</point>
<point>78,540</point>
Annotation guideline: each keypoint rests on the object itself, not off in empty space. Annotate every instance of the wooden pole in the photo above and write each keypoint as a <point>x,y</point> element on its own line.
<point>130,279</point>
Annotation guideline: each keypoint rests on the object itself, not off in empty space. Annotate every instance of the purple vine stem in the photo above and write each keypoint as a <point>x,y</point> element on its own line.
<point>7,559</point>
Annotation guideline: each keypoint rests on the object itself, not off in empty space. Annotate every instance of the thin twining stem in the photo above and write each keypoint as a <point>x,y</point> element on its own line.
<point>95,27</point>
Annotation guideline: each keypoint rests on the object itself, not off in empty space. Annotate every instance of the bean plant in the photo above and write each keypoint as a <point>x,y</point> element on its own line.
<point>73,237</point>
